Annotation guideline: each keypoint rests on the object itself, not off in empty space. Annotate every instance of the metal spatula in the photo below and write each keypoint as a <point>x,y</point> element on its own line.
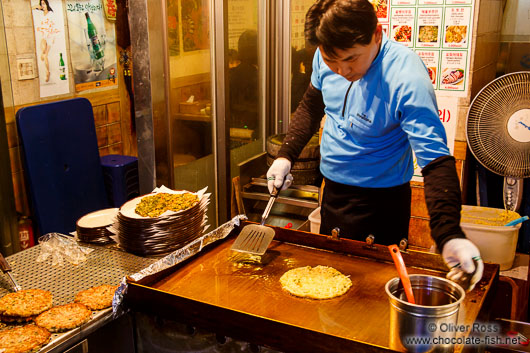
<point>4,265</point>
<point>255,239</point>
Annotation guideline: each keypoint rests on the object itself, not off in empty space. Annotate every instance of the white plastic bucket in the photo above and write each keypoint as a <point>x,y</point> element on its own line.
<point>497,243</point>
<point>314,220</point>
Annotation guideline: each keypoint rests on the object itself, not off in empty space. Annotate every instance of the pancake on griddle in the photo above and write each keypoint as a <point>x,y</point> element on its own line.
<point>18,306</point>
<point>64,317</point>
<point>96,298</point>
<point>28,338</point>
<point>319,282</point>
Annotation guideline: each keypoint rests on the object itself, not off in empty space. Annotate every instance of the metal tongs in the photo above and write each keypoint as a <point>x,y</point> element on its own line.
<point>4,265</point>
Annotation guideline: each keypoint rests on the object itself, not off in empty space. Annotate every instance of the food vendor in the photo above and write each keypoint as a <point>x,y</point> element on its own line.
<point>380,106</point>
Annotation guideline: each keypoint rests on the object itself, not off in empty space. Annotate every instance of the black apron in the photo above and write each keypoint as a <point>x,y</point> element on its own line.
<point>360,212</point>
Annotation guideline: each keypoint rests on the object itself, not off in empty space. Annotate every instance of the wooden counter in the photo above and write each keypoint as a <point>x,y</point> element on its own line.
<point>245,301</point>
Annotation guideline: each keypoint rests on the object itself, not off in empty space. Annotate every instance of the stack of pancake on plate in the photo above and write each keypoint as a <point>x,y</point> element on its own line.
<point>36,305</point>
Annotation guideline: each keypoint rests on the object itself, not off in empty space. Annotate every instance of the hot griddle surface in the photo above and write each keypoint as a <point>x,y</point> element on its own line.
<point>362,314</point>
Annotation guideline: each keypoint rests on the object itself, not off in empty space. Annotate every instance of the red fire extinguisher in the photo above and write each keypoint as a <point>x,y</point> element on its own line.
<point>25,233</point>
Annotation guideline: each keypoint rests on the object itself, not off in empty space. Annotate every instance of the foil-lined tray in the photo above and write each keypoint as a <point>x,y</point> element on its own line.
<point>175,258</point>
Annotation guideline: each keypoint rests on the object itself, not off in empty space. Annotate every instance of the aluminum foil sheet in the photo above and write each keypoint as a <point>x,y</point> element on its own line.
<point>176,257</point>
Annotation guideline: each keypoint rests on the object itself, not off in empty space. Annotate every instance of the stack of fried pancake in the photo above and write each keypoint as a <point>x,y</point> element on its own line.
<point>36,305</point>
<point>24,305</point>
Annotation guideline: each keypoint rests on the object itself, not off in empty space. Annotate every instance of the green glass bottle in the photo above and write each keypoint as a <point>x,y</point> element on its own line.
<point>93,35</point>
<point>62,69</point>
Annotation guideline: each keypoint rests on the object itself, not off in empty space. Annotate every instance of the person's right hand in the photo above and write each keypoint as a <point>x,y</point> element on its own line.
<point>462,256</point>
<point>277,173</point>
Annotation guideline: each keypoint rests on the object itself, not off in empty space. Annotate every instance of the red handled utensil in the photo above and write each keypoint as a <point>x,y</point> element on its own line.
<point>402,270</point>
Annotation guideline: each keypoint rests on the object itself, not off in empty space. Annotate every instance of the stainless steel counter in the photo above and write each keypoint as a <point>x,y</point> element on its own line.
<point>103,266</point>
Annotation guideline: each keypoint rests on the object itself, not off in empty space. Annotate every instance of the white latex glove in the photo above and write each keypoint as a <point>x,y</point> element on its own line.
<point>458,255</point>
<point>278,171</point>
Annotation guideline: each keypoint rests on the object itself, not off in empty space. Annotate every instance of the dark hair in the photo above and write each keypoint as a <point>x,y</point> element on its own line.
<point>340,24</point>
<point>47,5</point>
<point>247,46</point>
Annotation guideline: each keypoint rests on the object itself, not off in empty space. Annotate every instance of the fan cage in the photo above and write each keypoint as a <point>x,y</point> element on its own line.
<point>487,125</point>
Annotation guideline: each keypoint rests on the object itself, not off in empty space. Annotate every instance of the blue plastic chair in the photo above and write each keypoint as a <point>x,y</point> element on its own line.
<point>61,161</point>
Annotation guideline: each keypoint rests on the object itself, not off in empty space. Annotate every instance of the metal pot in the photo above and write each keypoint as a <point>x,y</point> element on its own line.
<point>434,316</point>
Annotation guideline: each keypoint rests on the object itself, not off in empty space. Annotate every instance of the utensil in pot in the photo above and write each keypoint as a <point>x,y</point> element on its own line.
<point>402,270</point>
<point>4,265</point>
<point>255,239</point>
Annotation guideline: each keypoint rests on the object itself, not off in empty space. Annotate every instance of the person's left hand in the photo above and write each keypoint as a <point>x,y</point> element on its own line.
<point>461,255</point>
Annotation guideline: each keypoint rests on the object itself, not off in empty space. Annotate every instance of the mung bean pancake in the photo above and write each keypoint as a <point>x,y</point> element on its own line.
<point>28,338</point>
<point>64,317</point>
<point>24,303</point>
<point>96,298</point>
<point>319,282</point>
<point>155,205</point>
<point>19,319</point>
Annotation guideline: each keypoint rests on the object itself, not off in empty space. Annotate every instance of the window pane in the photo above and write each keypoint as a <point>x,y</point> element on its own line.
<point>243,74</point>
<point>301,52</point>
<point>191,96</point>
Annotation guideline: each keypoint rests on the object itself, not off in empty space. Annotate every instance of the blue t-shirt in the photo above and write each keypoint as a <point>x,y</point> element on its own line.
<point>388,113</point>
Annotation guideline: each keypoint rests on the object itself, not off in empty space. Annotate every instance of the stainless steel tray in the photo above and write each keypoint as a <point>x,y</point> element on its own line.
<point>103,266</point>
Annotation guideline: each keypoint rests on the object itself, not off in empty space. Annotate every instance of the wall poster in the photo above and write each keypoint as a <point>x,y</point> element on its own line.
<point>92,45</point>
<point>50,43</point>
<point>195,28</point>
<point>439,32</point>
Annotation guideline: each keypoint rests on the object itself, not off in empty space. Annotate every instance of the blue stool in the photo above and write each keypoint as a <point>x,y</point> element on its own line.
<point>120,174</point>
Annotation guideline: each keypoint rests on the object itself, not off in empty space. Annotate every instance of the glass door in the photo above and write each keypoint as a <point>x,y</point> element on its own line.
<point>191,118</point>
<point>301,52</point>
<point>245,84</point>
<point>214,103</point>
<point>9,240</point>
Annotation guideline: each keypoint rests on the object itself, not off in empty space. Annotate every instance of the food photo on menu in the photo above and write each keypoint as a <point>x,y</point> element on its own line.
<point>455,34</point>
<point>428,34</point>
<point>432,74</point>
<point>402,33</point>
<point>381,8</point>
<point>452,76</point>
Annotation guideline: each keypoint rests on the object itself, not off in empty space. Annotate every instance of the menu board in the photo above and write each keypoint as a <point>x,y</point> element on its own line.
<point>439,31</point>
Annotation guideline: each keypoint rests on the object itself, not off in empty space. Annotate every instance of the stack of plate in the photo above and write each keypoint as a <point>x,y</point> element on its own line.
<point>163,234</point>
<point>92,228</point>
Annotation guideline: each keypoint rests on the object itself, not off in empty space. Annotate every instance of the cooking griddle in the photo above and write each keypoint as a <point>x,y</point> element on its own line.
<point>245,300</point>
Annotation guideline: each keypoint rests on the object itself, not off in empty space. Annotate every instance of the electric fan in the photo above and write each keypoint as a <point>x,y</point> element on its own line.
<point>498,132</point>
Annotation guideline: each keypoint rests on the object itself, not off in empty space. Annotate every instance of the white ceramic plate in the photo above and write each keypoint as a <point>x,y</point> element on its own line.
<point>101,218</point>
